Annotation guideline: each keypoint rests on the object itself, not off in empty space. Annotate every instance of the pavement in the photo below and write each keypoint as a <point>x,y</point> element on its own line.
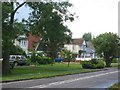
<point>99,79</point>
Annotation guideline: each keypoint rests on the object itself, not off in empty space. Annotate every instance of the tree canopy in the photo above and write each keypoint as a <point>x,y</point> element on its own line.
<point>8,32</point>
<point>107,45</point>
<point>47,20</point>
<point>87,36</point>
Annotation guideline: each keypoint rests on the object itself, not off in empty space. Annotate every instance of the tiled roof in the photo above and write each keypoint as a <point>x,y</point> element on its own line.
<point>77,41</point>
<point>33,41</point>
<point>90,45</point>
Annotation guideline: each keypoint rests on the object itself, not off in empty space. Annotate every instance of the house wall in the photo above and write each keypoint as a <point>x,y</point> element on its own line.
<point>23,43</point>
<point>73,48</point>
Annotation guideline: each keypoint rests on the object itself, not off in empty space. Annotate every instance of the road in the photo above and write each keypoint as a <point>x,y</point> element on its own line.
<point>99,79</point>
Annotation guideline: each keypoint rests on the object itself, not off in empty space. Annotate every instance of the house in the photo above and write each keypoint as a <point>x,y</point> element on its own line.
<point>22,42</point>
<point>33,42</point>
<point>79,44</point>
<point>74,46</point>
<point>88,51</point>
<point>28,43</point>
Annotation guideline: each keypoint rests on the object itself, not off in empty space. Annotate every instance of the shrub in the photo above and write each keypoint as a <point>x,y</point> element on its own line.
<point>28,61</point>
<point>33,57</point>
<point>94,61</point>
<point>86,64</point>
<point>44,60</point>
<point>100,64</point>
<point>93,64</point>
<point>114,60</point>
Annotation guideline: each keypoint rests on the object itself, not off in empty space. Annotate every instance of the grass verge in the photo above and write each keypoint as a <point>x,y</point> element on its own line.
<point>115,87</point>
<point>44,71</point>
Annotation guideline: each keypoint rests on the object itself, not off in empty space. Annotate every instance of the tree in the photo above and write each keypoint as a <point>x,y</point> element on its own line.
<point>87,36</point>
<point>107,45</point>
<point>68,55</point>
<point>21,28</point>
<point>47,20</point>
<point>8,35</point>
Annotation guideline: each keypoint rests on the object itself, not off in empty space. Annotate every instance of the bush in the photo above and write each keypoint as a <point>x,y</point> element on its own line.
<point>86,64</point>
<point>94,61</point>
<point>28,61</point>
<point>33,57</point>
<point>100,64</point>
<point>44,60</point>
<point>93,64</point>
<point>114,60</point>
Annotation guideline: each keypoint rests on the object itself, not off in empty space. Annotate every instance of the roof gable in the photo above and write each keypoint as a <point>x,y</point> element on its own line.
<point>77,41</point>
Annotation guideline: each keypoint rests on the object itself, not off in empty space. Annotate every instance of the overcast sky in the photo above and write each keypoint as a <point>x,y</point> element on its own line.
<point>95,16</point>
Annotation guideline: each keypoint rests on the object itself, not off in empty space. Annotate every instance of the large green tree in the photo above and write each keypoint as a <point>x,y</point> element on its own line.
<point>87,36</point>
<point>107,45</point>
<point>47,19</point>
<point>8,32</point>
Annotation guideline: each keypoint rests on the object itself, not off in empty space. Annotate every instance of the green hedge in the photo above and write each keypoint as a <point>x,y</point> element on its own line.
<point>115,60</point>
<point>44,60</point>
<point>93,64</point>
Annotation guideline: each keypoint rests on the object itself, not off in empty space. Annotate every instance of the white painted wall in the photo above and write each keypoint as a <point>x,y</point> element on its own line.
<point>23,43</point>
<point>72,48</point>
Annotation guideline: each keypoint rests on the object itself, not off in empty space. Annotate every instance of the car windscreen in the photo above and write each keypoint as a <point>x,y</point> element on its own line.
<point>12,57</point>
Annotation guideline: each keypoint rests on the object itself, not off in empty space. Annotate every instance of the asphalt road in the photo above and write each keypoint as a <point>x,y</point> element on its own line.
<point>99,79</point>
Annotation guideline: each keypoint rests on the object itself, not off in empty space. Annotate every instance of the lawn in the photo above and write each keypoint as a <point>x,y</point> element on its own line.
<point>115,87</point>
<point>44,71</point>
<point>114,64</point>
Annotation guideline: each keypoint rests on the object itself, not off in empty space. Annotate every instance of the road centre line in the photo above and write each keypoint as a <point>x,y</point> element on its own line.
<point>71,80</point>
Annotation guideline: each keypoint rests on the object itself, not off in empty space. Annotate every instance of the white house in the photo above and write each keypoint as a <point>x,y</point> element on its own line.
<point>29,43</point>
<point>73,48</point>
<point>79,44</point>
<point>22,42</point>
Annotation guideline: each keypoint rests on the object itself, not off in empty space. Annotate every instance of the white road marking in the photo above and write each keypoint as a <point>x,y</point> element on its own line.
<point>71,80</point>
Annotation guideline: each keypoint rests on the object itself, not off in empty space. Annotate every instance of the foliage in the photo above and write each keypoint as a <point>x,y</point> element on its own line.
<point>43,71</point>
<point>93,64</point>
<point>107,45</point>
<point>21,28</point>
<point>44,60</point>
<point>87,36</point>
<point>17,51</point>
<point>8,33</point>
<point>40,58</point>
<point>28,61</point>
<point>114,60</point>
<point>81,51</point>
<point>116,86</point>
<point>33,57</point>
<point>47,20</point>
<point>68,55</point>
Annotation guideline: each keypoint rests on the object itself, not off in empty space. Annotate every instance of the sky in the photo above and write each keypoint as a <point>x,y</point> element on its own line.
<point>95,16</point>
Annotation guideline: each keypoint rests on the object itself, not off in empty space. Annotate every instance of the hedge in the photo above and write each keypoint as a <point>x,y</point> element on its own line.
<point>44,60</point>
<point>93,64</point>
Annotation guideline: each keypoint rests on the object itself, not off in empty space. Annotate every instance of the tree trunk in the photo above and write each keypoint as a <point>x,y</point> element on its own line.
<point>53,56</point>
<point>68,63</point>
<point>5,62</point>
<point>108,62</point>
<point>5,65</point>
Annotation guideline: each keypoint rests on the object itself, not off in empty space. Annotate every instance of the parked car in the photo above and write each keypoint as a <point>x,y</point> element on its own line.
<point>17,60</point>
<point>59,59</point>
